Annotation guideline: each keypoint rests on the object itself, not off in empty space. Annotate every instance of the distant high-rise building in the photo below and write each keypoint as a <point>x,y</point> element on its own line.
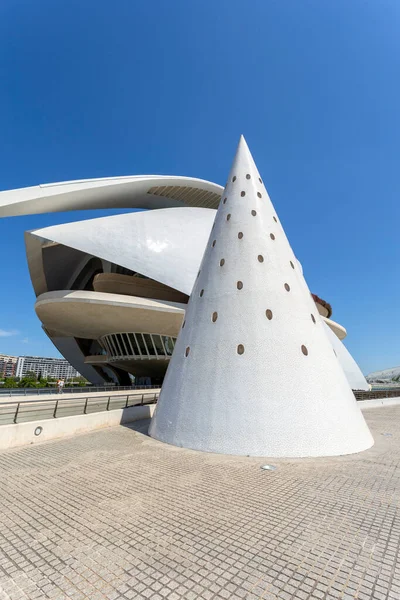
<point>8,365</point>
<point>46,367</point>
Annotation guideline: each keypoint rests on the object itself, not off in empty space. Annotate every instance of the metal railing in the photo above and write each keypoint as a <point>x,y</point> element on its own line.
<point>72,390</point>
<point>376,394</point>
<point>46,408</point>
<point>52,408</point>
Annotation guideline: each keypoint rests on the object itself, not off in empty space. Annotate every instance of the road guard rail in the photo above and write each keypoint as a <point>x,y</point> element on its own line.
<point>46,408</point>
<point>72,390</point>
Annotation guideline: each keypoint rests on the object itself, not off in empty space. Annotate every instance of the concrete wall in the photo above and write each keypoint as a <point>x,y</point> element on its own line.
<point>23,434</point>
<point>378,402</point>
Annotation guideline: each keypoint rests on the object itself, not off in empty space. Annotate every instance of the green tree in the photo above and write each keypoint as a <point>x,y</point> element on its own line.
<point>27,382</point>
<point>10,382</point>
<point>31,375</point>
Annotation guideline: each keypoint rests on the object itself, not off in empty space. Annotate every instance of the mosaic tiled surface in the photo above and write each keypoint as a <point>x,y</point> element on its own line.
<point>116,515</point>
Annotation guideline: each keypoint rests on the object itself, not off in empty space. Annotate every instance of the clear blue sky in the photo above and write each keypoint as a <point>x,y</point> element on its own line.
<point>99,88</point>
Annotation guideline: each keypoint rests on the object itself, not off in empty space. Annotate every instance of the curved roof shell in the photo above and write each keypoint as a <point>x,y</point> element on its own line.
<point>165,245</point>
<point>139,191</point>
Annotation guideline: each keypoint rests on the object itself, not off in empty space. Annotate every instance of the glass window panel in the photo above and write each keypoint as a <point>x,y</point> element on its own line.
<point>114,351</point>
<point>134,345</point>
<point>119,345</point>
<point>142,346</point>
<point>158,345</point>
<point>149,344</point>
<point>127,345</point>
<point>108,347</point>
<point>168,345</point>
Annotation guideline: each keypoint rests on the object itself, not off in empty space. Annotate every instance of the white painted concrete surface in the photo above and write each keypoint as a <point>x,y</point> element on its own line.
<point>253,371</point>
<point>107,192</point>
<point>23,434</point>
<point>351,369</point>
<point>165,245</point>
<point>378,403</point>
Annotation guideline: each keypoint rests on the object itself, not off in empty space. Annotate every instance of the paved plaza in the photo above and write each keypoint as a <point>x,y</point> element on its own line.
<point>116,515</point>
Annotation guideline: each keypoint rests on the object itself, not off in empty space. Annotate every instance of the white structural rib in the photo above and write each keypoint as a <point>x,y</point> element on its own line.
<point>253,371</point>
<point>141,191</point>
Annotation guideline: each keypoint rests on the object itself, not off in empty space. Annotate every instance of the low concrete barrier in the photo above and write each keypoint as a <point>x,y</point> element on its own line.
<point>378,402</point>
<point>34,432</point>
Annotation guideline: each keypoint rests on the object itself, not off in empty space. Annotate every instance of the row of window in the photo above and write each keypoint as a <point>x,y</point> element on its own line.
<point>138,344</point>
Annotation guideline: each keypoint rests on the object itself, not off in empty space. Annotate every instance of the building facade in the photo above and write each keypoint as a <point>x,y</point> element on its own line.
<point>57,368</point>
<point>8,365</point>
<point>115,307</point>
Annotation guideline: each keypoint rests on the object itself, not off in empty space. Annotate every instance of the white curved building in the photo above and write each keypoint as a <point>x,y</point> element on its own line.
<point>112,292</point>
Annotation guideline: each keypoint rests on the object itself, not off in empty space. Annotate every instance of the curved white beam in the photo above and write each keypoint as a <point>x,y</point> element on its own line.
<point>139,191</point>
<point>337,329</point>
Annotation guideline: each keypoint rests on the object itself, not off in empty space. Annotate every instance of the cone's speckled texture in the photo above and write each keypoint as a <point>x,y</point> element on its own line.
<point>253,371</point>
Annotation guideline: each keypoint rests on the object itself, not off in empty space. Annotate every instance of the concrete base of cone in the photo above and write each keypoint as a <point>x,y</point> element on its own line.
<point>245,439</point>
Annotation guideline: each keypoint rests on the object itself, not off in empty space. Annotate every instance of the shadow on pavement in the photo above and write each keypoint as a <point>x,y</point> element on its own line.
<point>141,426</point>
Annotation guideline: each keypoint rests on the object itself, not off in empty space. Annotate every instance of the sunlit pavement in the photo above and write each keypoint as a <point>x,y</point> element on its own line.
<point>114,514</point>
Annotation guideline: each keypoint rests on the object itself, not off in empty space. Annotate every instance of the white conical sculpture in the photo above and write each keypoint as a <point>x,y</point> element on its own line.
<point>253,371</point>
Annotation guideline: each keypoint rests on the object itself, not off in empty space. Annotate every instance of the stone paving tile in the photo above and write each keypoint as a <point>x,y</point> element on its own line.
<point>115,515</point>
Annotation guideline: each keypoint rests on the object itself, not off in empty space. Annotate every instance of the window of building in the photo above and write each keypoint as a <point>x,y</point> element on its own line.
<point>158,345</point>
<point>149,344</point>
<point>142,346</point>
